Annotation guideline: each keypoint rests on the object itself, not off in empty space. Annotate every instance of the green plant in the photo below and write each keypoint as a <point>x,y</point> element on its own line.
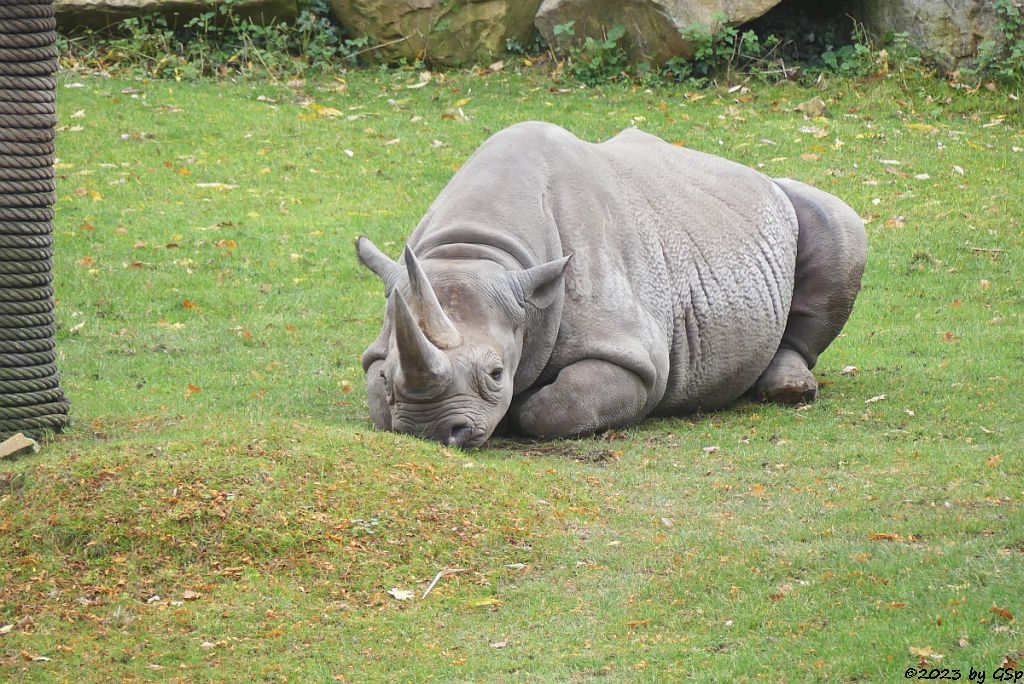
<point>1004,60</point>
<point>855,59</point>
<point>721,50</point>
<point>217,42</point>
<point>596,60</point>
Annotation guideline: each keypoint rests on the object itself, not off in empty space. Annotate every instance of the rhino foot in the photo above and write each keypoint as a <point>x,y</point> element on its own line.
<point>787,380</point>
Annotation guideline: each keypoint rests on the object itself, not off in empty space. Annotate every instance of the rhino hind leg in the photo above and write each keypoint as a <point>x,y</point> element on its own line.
<point>831,251</point>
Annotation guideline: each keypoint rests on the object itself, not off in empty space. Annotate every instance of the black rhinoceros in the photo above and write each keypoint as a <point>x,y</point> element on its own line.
<point>558,288</point>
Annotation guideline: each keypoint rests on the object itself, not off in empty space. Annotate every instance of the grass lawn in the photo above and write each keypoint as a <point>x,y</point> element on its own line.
<point>222,510</point>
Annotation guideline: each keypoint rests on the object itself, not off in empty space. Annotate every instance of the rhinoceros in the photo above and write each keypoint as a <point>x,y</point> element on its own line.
<point>557,288</point>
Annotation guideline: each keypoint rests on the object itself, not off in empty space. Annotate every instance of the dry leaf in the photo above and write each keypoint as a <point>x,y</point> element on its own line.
<point>188,304</point>
<point>1003,613</point>
<point>489,602</point>
<point>813,107</point>
<point>849,370</point>
<point>401,594</point>
<point>925,652</point>
<point>874,399</point>
<point>992,461</point>
<point>188,594</point>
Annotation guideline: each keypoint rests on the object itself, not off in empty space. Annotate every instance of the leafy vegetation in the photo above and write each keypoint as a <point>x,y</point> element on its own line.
<point>595,61</point>
<point>1005,61</point>
<point>216,43</point>
<point>221,509</point>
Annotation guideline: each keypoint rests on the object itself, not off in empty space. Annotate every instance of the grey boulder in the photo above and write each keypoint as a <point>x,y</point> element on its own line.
<point>440,31</point>
<point>948,32</point>
<point>652,26</point>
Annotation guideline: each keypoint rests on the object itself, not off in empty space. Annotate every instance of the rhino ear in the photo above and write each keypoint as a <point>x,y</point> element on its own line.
<point>378,262</point>
<point>540,285</point>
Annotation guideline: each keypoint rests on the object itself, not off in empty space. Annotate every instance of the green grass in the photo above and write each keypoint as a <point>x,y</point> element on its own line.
<point>222,510</point>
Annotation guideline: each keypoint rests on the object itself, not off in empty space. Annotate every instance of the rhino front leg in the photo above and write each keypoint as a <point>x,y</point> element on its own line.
<point>380,412</point>
<point>831,251</point>
<point>587,396</point>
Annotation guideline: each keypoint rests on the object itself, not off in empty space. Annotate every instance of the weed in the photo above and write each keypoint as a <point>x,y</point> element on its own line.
<point>1005,61</point>
<point>596,60</point>
<point>218,42</point>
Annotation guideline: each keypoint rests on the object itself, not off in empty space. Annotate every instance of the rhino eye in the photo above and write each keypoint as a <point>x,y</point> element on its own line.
<point>497,374</point>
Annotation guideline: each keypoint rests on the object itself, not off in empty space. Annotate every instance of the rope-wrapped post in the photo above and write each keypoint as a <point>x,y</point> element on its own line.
<point>31,399</point>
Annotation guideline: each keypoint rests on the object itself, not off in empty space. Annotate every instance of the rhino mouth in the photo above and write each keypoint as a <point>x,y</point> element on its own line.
<point>453,431</point>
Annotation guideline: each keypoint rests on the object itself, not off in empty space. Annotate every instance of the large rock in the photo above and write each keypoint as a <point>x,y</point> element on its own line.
<point>441,31</point>
<point>652,26</point>
<point>95,14</point>
<point>947,32</point>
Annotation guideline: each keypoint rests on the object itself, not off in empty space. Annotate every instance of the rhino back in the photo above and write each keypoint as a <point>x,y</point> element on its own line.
<point>683,269</point>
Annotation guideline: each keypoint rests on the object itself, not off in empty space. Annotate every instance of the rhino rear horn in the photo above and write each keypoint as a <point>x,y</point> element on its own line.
<point>435,323</point>
<point>424,367</point>
<point>539,285</point>
<point>379,263</point>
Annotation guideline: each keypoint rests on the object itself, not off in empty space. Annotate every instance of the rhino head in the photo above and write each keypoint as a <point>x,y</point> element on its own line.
<point>444,364</point>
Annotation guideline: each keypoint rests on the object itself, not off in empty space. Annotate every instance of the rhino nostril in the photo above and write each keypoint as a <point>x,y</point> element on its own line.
<point>460,434</point>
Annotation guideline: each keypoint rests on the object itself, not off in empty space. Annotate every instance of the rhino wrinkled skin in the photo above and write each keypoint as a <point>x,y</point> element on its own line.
<point>558,288</point>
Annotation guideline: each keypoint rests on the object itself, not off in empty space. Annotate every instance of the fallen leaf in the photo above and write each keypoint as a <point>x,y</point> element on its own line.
<point>849,370</point>
<point>884,536</point>
<point>193,389</point>
<point>188,304</point>
<point>810,156</point>
<point>813,107</point>
<point>992,461</point>
<point>346,386</point>
<point>499,644</point>
<point>217,186</point>
<point>1003,613</point>
<point>984,284</point>
<point>4,629</point>
<point>401,594</point>
<point>188,594</point>
<point>874,399</point>
<point>489,602</point>
<point>926,652</point>
<point>711,449</point>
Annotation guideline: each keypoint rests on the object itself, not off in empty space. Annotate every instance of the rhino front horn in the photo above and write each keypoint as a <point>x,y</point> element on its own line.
<point>425,368</point>
<point>435,322</point>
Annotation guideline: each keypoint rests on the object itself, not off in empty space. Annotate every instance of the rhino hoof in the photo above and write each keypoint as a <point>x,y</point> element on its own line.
<point>787,380</point>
